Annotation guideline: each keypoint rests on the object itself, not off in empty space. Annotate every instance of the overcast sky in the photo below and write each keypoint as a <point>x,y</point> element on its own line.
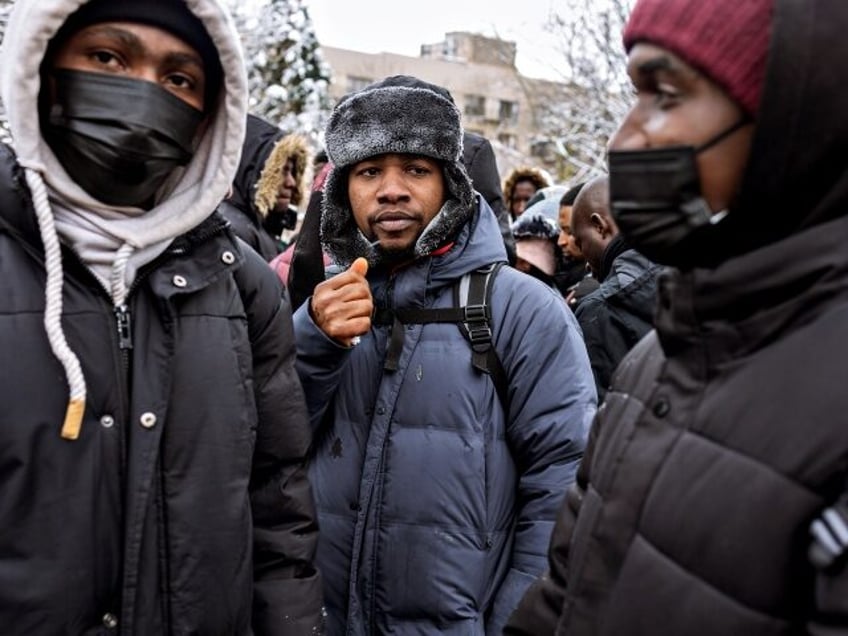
<point>395,26</point>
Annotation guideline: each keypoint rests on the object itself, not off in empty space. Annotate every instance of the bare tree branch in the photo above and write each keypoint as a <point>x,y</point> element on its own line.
<point>580,124</point>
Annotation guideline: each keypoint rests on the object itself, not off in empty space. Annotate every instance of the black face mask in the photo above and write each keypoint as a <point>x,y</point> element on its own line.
<point>118,138</point>
<point>655,198</point>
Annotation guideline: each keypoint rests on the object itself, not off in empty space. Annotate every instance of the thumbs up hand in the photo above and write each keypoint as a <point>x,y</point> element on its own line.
<point>342,305</point>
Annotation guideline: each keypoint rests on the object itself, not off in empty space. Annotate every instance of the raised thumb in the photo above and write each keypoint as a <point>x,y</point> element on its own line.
<point>360,266</point>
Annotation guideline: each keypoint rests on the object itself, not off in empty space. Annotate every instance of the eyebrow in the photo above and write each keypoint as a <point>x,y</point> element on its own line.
<point>126,37</point>
<point>136,46</point>
<point>180,59</point>
<point>659,63</point>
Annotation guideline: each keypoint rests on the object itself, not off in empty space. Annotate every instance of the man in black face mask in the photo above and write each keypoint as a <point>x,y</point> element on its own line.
<point>713,495</point>
<point>153,428</point>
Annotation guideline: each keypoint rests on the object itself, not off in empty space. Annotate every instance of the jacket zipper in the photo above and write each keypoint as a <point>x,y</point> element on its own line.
<point>377,493</point>
<point>124,324</point>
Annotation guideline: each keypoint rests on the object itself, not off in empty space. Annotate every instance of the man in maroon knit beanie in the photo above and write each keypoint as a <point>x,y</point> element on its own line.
<point>713,495</point>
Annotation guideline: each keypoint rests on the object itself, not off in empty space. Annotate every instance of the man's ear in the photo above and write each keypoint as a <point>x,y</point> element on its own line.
<point>600,225</point>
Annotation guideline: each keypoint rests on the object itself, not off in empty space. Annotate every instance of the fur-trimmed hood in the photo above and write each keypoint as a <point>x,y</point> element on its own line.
<point>523,174</point>
<point>260,172</point>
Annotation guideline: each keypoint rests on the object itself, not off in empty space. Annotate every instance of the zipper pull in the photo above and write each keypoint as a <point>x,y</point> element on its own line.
<point>122,316</point>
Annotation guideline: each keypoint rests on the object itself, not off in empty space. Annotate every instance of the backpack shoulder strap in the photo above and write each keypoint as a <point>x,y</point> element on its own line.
<point>471,312</point>
<point>473,296</point>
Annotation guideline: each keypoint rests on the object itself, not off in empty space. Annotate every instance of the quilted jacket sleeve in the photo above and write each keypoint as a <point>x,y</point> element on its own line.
<point>320,361</point>
<point>287,587</point>
<point>552,402</point>
<point>540,609</point>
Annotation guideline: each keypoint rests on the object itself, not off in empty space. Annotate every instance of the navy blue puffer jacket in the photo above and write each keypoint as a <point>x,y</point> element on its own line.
<point>435,506</point>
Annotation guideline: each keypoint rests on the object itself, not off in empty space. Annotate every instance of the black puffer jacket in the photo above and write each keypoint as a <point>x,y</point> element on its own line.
<point>620,312</point>
<point>723,435</point>
<point>719,442</point>
<point>479,160</point>
<point>183,507</point>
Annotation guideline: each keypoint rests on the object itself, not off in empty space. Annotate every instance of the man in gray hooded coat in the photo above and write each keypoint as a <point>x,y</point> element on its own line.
<point>153,430</point>
<point>435,497</point>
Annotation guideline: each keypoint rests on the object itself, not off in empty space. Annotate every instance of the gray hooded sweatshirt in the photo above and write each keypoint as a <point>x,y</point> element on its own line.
<point>174,499</point>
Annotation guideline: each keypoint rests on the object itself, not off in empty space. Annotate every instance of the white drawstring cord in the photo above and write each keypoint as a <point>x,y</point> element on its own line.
<point>53,307</point>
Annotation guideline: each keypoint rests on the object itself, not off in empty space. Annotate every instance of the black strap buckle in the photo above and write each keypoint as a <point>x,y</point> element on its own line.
<point>475,313</point>
<point>480,337</point>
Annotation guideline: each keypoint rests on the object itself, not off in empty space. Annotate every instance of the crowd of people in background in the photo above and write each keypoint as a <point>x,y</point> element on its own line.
<point>254,387</point>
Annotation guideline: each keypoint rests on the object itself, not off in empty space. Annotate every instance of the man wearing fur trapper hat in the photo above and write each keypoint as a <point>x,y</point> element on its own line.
<point>153,430</point>
<point>436,491</point>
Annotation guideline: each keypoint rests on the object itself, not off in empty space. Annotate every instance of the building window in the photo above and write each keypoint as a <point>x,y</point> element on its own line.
<point>450,49</point>
<point>545,150</point>
<point>355,84</point>
<point>508,140</point>
<point>508,113</point>
<point>475,105</point>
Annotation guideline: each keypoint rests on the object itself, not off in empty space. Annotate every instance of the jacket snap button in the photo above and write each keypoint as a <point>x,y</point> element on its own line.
<point>662,407</point>
<point>148,420</point>
<point>110,621</point>
<point>107,421</point>
<point>380,410</point>
<point>179,281</point>
<point>228,258</point>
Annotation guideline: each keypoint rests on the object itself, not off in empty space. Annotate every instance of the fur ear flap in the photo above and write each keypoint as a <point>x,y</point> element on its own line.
<point>343,241</point>
<point>390,118</point>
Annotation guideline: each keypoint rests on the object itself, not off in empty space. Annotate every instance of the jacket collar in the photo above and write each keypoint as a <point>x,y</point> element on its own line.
<point>752,299</point>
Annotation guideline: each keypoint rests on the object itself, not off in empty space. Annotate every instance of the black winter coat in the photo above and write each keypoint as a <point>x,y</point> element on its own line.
<point>249,228</point>
<point>619,313</point>
<point>724,436</point>
<point>478,157</point>
<point>720,440</point>
<point>259,176</point>
<point>183,507</point>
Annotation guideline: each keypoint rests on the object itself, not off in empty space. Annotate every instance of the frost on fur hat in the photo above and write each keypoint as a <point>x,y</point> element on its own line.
<point>388,117</point>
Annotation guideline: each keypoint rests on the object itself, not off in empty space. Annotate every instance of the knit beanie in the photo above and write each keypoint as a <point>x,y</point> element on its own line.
<point>390,117</point>
<point>535,238</point>
<point>169,15</point>
<point>546,201</point>
<point>727,40</point>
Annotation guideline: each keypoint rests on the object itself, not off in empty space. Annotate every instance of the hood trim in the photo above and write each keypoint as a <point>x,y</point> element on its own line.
<point>271,178</point>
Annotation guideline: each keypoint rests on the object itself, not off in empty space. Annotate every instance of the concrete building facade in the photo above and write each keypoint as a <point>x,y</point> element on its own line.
<point>495,99</point>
